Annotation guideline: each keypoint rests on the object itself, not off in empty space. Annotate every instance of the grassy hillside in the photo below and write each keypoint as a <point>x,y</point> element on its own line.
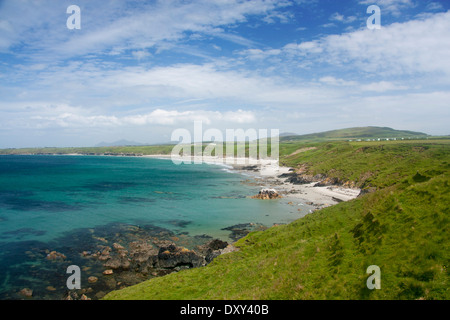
<point>357,133</point>
<point>370,164</point>
<point>402,227</point>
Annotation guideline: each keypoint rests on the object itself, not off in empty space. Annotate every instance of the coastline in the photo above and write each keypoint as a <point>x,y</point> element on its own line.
<point>309,193</point>
<point>136,253</point>
<point>270,176</point>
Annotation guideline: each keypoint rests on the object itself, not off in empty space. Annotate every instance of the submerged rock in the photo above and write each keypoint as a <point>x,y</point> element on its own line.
<point>117,263</point>
<point>92,279</point>
<point>26,292</point>
<point>132,255</point>
<point>54,255</point>
<point>239,231</point>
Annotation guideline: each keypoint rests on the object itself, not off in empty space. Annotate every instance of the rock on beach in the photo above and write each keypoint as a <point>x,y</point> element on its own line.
<point>267,194</point>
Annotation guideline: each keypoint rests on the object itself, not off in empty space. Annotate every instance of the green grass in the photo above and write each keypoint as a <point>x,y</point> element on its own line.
<point>402,227</point>
<point>372,164</point>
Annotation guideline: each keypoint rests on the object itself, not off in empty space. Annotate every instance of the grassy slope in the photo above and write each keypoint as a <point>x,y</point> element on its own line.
<point>402,228</point>
<point>372,164</point>
<point>356,133</point>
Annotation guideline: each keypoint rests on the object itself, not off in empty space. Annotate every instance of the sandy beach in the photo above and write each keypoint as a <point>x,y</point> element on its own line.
<point>267,173</point>
<point>320,197</point>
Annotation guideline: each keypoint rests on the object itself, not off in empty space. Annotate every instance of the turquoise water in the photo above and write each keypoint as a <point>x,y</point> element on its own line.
<point>43,199</point>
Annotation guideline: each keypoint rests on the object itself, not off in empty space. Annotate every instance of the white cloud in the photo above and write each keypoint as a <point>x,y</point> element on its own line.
<point>394,7</point>
<point>121,26</point>
<point>341,18</point>
<point>140,54</point>
<point>259,54</point>
<point>382,86</point>
<point>47,115</point>
<point>330,80</point>
<point>362,77</point>
<point>417,46</point>
<point>432,6</point>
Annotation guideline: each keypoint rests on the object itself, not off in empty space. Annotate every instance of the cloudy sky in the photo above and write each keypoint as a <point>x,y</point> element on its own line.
<point>138,70</point>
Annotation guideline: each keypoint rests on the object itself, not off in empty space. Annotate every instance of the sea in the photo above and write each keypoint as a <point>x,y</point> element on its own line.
<point>71,203</point>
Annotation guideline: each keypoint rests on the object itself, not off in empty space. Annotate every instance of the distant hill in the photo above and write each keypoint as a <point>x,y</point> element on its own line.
<point>119,143</point>
<point>356,133</point>
<point>287,134</point>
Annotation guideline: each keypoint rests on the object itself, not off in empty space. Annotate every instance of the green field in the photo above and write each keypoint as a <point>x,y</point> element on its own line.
<point>400,226</point>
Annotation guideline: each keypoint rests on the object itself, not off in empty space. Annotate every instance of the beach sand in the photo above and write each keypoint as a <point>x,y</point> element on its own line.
<point>269,177</point>
<point>267,173</point>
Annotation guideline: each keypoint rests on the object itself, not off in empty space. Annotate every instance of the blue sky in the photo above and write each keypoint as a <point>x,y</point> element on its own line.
<point>138,70</point>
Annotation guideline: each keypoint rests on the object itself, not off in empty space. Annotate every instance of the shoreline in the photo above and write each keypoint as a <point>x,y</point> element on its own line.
<point>309,193</point>
<point>268,173</point>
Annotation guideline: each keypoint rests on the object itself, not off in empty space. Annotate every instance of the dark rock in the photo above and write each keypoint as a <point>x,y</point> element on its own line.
<point>142,252</point>
<point>366,191</point>
<point>300,179</point>
<point>239,231</point>
<point>285,175</point>
<point>216,244</point>
<point>337,199</point>
<point>212,249</point>
<point>246,167</point>
<point>171,256</point>
<point>328,182</point>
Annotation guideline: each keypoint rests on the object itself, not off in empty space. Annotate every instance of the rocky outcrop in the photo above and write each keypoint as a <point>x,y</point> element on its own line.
<point>121,255</point>
<point>212,249</point>
<point>145,257</point>
<point>303,178</point>
<point>328,182</point>
<point>301,175</point>
<point>171,256</point>
<point>267,194</point>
